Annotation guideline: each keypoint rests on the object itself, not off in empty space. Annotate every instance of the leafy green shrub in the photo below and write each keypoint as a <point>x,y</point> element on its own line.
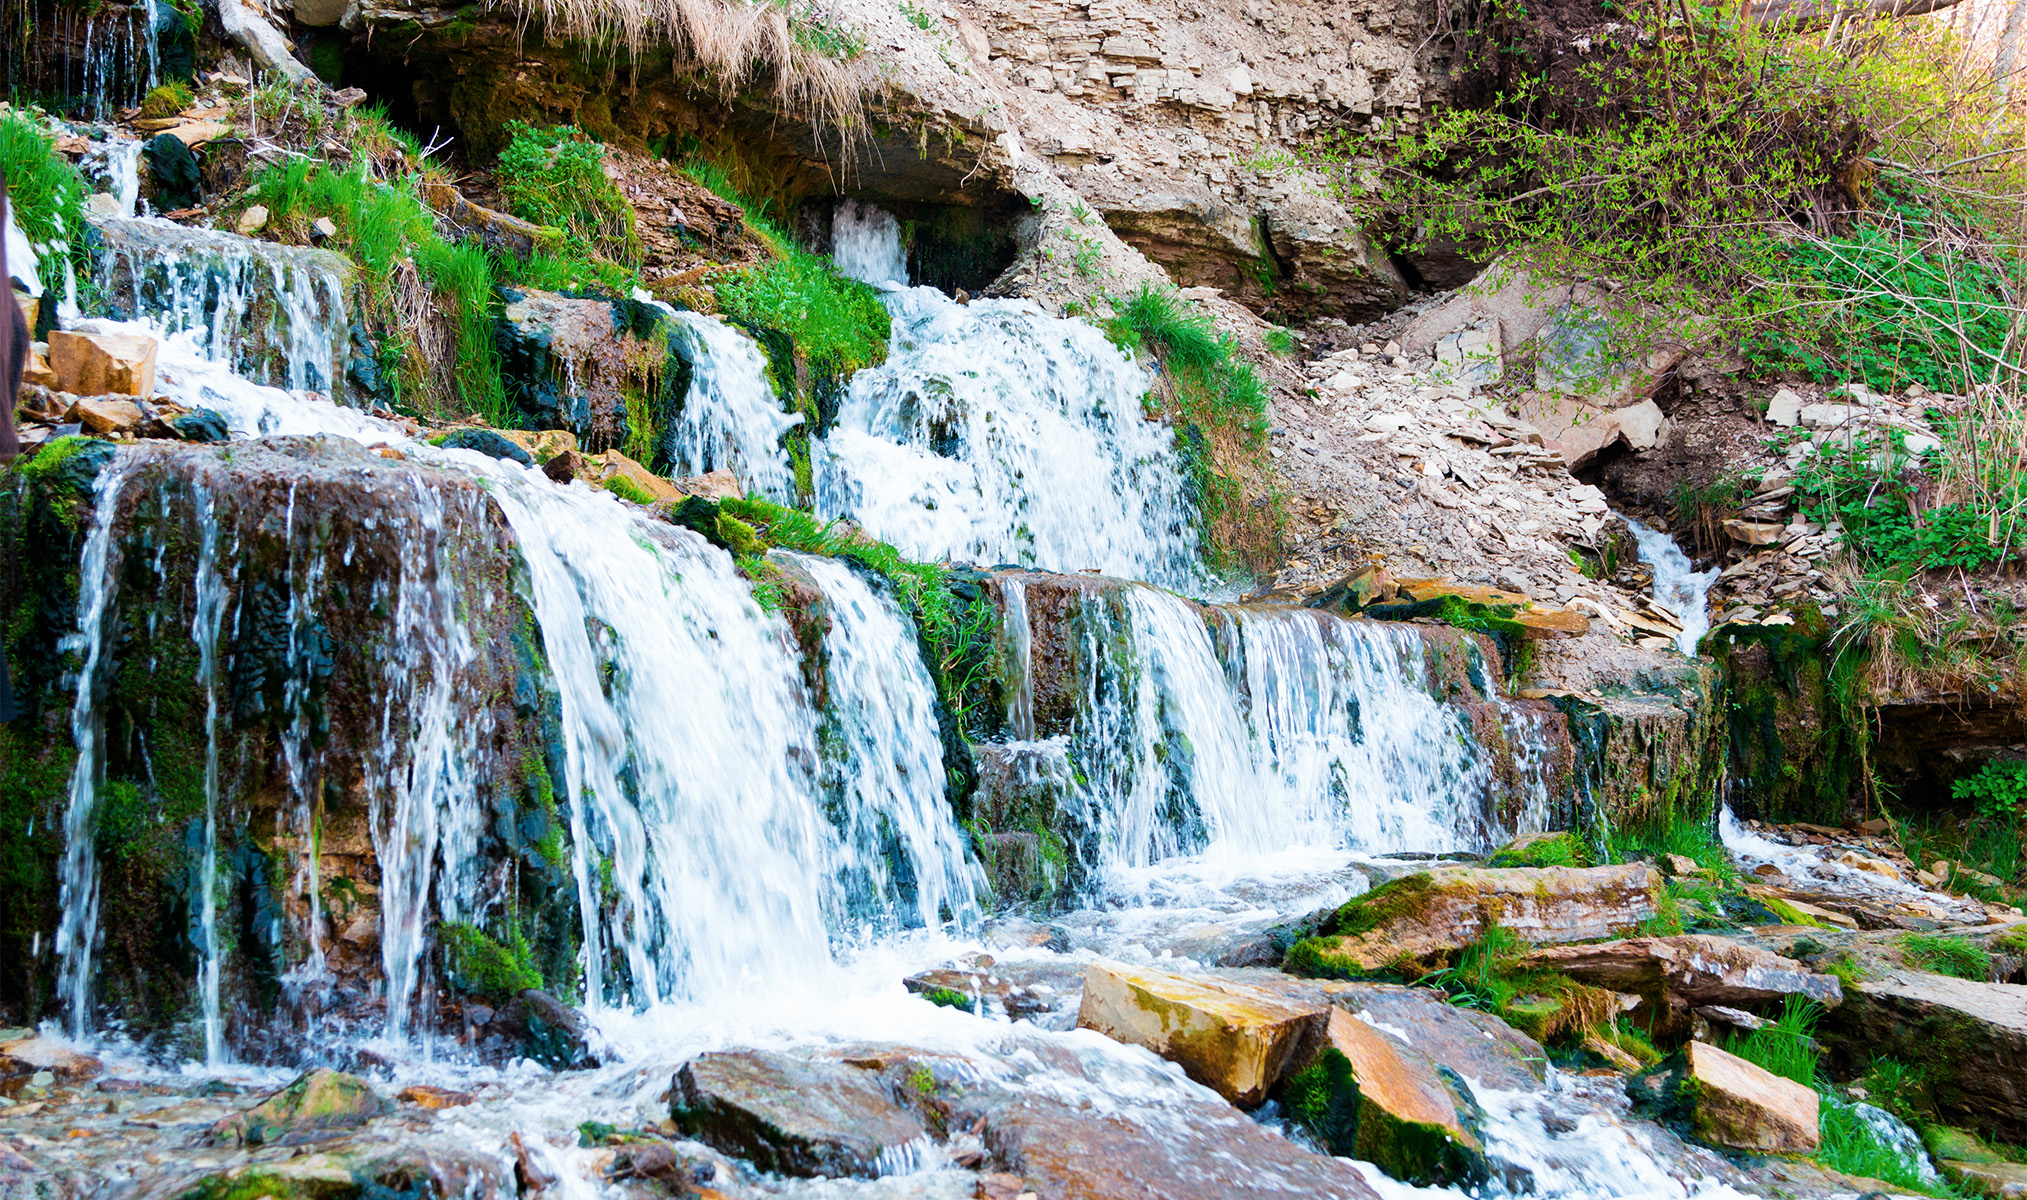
<point>1875,506</point>
<point>1955,956</point>
<point>1788,1046</point>
<point>556,177</point>
<point>1999,788</point>
<point>1912,299</point>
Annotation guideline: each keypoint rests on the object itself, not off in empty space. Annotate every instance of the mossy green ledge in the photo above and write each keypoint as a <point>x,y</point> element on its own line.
<point>1430,915</point>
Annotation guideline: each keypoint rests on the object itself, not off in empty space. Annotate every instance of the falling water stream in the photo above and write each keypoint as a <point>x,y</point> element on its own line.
<point>760,854</point>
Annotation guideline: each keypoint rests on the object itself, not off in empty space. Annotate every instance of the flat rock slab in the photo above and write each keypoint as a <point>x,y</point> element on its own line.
<point>1971,1036</point>
<point>793,1115</point>
<point>1205,1152</point>
<point>1728,1102</point>
<point>1676,974</point>
<point>1234,1039</point>
<point>1435,913</point>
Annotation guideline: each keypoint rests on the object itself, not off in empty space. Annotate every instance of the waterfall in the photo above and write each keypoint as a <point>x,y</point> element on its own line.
<point>883,763</point>
<point>1679,587</point>
<point>426,805</point>
<point>1235,732</point>
<point>98,570</point>
<point>731,419</point>
<point>269,313</point>
<point>994,433</point>
<point>866,244</point>
<point>213,593</point>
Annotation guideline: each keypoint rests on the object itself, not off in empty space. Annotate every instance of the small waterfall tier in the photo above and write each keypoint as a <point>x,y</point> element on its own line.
<point>269,313</point>
<point>997,434</point>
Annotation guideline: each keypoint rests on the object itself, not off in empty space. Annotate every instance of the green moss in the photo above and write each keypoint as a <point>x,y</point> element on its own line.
<point>948,998</point>
<point>739,536</point>
<point>1325,1099</point>
<point>481,965</point>
<point>167,100</point>
<point>255,1184</point>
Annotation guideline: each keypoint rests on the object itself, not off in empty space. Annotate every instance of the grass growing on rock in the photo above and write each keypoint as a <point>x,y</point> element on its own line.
<point>556,177</point>
<point>485,966</point>
<point>1787,1047</point>
<point>47,195</point>
<point>1956,956</point>
<point>1218,403</point>
<point>433,299</point>
<point>838,323</point>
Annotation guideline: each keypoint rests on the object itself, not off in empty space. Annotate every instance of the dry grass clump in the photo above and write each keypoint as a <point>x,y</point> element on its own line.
<point>812,61</point>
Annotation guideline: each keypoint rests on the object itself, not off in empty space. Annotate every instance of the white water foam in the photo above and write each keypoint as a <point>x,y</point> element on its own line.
<point>1679,587</point>
<point>997,434</point>
<point>731,418</point>
<point>866,244</point>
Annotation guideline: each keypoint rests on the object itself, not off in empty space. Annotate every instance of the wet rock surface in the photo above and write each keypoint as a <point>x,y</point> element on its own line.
<point>793,1115</point>
<point>1729,1102</point>
<point>1233,1039</point>
<point>1675,974</point>
<point>1973,1036</point>
<point>1441,911</point>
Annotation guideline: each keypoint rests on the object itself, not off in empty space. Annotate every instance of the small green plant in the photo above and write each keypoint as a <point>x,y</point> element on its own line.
<point>1945,955</point>
<point>485,966</point>
<point>167,100</point>
<point>556,177</point>
<point>1866,490</point>
<point>1998,788</point>
<point>1280,340</point>
<point>917,15</point>
<point>947,998</point>
<point>627,489</point>
<point>1788,1046</point>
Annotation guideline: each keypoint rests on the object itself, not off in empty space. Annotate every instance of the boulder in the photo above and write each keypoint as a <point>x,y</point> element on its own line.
<point>1729,1102</point>
<point>1998,1180</point>
<point>488,442</point>
<point>1370,1095</point>
<point>33,1055</point>
<point>716,485</point>
<point>1676,974</point>
<point>1971,1037</point>
<point>105,414</point>
<point>1785,408</point>
<point>100,364</point>
<point>1200,1151</point>
<point>315,1104</point>
<point>792,1115</point>
<point>537,1026</point>
<point>1432,914</point>
<point>199,425</point>
<point>1233,1039</point>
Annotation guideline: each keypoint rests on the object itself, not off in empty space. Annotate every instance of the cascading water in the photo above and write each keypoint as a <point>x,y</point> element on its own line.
<point>866,244</point>
<point>1231,733</point>
<point>213,595</point>
<point>746,812</point>
<point>1678,586</point>
<point>731,419</point>
<point>273,314</point>
<point>995,433</point>
<point>77,936</point>
<point>883,773</point>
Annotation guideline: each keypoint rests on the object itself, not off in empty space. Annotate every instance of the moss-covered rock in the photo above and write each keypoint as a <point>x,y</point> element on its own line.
<point>1431,915</point>
<point>1797,747</point>
<point>1369,1096</point>
<point>315,1103</point>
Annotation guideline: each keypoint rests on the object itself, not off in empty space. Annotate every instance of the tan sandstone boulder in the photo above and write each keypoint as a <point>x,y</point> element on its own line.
<point>1233,1039</point>
<point>100,364</point>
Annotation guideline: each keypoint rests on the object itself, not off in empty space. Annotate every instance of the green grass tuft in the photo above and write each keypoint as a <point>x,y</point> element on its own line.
<point>556,177</point>
<point>1956,956</point>
<point>47,194</point>
<point>1788,1046</point>
<point>484,966</point>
